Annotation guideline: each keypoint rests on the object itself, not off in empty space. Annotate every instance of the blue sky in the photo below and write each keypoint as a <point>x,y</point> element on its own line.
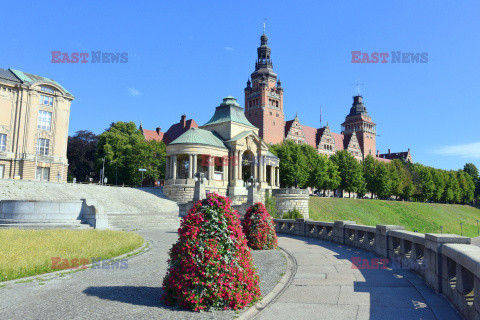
<point>185,56</point>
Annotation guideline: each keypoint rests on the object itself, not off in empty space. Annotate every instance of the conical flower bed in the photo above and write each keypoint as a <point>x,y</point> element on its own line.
<point>259,228</point>
<point>211,266</point>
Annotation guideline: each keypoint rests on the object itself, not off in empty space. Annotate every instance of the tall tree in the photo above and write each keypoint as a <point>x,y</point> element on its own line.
<point>81,155</point>
<point>333,176</point>
<point>125,151</point>
<point>368,168</point>
<point>350,171</point>
<point>472,170</point>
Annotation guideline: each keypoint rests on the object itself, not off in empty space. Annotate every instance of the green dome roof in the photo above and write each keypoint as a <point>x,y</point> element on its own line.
<point>200,136</point>
<point>229,111</point>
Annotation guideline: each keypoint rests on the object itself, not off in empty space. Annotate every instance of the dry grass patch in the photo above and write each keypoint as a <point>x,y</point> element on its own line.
<point>29,252</point>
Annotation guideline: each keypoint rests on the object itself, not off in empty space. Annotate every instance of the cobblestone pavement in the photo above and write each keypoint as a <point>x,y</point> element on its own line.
<point>132,293</point>
<point>326,287</point>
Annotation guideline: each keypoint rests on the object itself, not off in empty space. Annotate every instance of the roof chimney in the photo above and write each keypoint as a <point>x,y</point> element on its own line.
<point>378,153</point>
<point>158,130</point>
<point>388,151</point>
<point>183,120</point>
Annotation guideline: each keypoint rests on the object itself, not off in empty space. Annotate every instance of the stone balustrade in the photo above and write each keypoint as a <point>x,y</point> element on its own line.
<point>449,263</point>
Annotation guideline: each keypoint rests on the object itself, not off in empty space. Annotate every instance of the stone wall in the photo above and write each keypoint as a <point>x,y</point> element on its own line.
<point>289,199</point>
<point>448,263</point>
<point>52,214</point>
<point>183,194</point>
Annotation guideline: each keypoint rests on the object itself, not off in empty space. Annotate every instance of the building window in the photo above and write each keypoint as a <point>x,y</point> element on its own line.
<point>3,142</point>
<point>42,146</point>
<point>2,170</point>
<point>46,100</point>
<point>47,89</point>
<point>42,174</point>
<point>44,120</point>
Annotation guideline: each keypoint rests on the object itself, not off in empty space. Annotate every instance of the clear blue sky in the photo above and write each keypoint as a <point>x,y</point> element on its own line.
<point>185,56</point>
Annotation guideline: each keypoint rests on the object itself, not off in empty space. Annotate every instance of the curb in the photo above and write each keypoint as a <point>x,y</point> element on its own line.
<point>51,275</point>
<point>277,291</point>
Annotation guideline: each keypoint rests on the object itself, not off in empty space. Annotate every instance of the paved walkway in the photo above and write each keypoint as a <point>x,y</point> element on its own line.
<point>132,293</point>
<point>326,287</point>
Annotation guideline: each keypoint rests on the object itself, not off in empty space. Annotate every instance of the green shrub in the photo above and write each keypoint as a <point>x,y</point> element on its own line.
<point>293,214</point>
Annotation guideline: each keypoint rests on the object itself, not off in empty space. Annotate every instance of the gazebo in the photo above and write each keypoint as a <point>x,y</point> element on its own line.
<point>228,150</point>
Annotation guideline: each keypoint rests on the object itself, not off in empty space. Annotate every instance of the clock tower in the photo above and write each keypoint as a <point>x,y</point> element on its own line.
<point>264,97</point>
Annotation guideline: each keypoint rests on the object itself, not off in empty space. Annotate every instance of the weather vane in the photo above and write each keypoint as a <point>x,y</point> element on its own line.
<point>264,25</point>
<point>357,87</point>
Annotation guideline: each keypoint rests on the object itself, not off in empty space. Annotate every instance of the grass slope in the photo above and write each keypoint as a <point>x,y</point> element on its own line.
<point>29,252</point>
<point>422,217</point>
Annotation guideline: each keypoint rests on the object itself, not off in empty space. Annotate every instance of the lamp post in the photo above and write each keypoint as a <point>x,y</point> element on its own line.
<point>441,229</point>
<point>478,231</point>
<point>461,228</point>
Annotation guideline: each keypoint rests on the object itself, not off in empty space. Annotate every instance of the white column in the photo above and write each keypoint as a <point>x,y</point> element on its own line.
<point>234,166</point>
<point>194,165</point>
<point>190,166</point>
<point>264,168</point>
<point>174,167</point>
<point>277,176</point>
<point>225,168</point>
<point>239,161</point>
<point>210,174</point>
<point>272,176</point>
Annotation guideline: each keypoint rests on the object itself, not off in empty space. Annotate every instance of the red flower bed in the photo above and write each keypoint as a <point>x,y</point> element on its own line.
<point>211,266</point>
<point>259,228</point>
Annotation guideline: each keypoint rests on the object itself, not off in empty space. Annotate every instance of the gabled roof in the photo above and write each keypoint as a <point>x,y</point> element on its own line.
<point>178,129</point>
<point>310,134</point>
<point>288,125</point>
<point>200,136</point>
<point>240,135</point>
<point>229,111</point>
<point>152,135</point>
<point>338,140</point>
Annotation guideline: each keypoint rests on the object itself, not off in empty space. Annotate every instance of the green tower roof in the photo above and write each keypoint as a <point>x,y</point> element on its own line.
<point>200,136</point>
<point>229,111</point>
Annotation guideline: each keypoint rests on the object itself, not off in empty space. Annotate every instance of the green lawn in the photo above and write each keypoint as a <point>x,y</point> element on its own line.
<point>29,252</point>
<point>422,217</point>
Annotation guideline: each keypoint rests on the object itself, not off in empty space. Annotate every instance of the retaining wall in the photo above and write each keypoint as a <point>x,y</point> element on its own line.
<point>289,199</point>
<point>449,263</point>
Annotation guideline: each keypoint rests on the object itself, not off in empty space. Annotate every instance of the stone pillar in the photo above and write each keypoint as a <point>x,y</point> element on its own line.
<point>174,167</point>
<point>225,168</point>
<point>255,169</point>
<point>339,230</point>
<point>194,164</point>
<point>272,176</point>
<point>277,176</point>
<point>239,160</point>
<point>260,169</point>
<point>234,166</point>
<point>433,256</point>
<point>264,168</point>
<point>210,171</point>
<point>199,191</point>
<point>381,238</point>
<point>190,166</point>
<point>167,168</point>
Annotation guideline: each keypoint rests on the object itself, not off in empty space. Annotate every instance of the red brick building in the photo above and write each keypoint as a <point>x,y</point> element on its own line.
<point>264,109</point>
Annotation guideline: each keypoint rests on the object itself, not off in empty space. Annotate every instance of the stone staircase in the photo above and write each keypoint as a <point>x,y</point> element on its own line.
<point>126,208</point>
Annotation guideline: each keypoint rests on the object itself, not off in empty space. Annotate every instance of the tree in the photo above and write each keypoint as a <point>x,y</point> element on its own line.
<point>125,151</point>
<point>293,164</point>
<point>81,155</point>
<point>382,180</point>
<point>439,177</point>
<point>368,168</point>
<point>472,171</point>
<point>333,176</point>
<point>350,171</point>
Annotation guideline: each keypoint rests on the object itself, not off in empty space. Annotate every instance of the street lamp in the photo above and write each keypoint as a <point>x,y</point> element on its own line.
<point>441,229</point>
<point>461,228</point>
